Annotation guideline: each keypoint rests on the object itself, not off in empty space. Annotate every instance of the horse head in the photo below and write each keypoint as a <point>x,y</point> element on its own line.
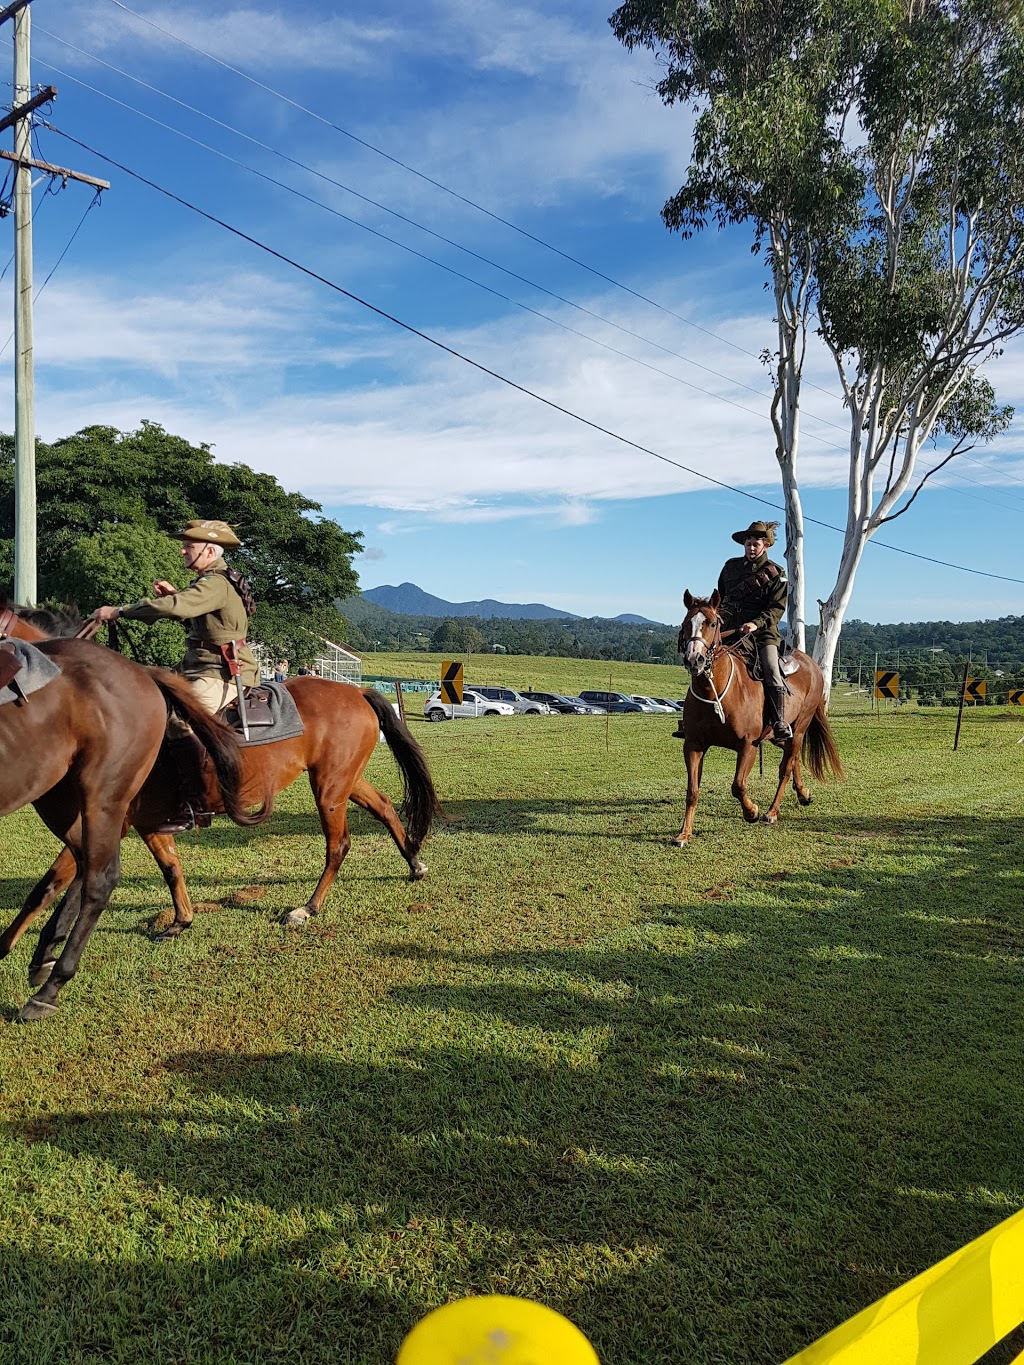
<point>701,630</point>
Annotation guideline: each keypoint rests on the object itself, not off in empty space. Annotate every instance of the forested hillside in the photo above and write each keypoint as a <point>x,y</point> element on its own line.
<point>929,654</point>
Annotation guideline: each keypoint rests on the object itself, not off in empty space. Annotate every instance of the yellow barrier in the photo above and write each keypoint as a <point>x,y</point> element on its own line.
<point>948,1315</point>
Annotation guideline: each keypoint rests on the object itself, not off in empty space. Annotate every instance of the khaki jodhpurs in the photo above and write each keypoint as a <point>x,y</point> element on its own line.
<point>212,694</point>
<point>774,687</point>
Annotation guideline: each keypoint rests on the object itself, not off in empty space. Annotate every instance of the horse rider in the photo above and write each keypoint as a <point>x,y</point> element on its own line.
<point>215,608</point>
<point>753,590</point>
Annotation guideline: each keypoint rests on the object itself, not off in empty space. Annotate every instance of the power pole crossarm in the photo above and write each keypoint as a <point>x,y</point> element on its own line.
<point>11,10</point>
<point>51,169</point>
<point>48,93</point>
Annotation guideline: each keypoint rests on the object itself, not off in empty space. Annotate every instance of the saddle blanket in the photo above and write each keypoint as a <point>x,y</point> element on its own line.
<point>35,670</point>
<point>285,721</point>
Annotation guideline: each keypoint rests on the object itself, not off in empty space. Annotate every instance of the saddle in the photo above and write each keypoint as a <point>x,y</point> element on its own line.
<point>10,666</point>
<point>258,714</point>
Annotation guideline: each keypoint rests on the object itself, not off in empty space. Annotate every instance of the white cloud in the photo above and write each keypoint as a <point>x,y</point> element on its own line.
<point>265,39</point>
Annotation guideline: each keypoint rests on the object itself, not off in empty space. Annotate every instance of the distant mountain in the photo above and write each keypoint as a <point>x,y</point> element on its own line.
<point>409,600</point>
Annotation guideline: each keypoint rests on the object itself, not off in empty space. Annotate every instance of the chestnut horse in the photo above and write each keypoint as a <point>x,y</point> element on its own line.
<point>725,708</point>
<point>79,749</point>
<point>342,727</point>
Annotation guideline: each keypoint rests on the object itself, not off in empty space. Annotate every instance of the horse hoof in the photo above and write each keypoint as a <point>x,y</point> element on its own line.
<point>750,815</point>
<point>771,819</point>
<point>171,932</point>
<point>804,800</point>
<point>35,1009</point>
<point>295,919</point>
<point>678,842</point>
<point>417,871</point>
<point>39,976</point>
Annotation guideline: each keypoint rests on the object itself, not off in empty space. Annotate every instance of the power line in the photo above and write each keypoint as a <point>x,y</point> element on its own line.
<point>405,218</point>
<point>458,274</point>
<point>91,205</point>
<point>484,369</point>
<point>437,184</point>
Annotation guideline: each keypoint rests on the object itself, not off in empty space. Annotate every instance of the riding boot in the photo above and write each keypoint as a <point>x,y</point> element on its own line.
<point>679,732</point>
<point>188,759</point>
<point>775,699</point>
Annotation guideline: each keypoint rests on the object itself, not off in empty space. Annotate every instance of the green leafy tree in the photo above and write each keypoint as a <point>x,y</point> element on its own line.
<point>875,150</point>
<point>299,562</point>
<point>120,564</point>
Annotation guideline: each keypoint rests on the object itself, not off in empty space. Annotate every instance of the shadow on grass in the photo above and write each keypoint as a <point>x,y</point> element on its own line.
<point>711,1140</point>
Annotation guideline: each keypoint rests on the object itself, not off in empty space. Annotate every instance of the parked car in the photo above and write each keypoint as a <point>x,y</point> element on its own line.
<point>472,704</point>
<point>520,703</point>
<point>616,702</point>
<point>668,701</point>
<point>566,706</point>
<point>653,704</point>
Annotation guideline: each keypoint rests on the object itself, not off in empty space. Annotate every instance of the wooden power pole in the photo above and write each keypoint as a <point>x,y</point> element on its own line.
<point>20,118</point>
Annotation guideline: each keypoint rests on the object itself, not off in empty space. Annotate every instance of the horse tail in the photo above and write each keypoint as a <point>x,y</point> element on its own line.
<point>220,743</point>
<point>420,804</point>
<point>819,748</point>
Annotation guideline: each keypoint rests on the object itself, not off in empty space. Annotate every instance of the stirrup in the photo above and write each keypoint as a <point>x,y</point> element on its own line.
<point>184,820</point>
<point>782,732</point>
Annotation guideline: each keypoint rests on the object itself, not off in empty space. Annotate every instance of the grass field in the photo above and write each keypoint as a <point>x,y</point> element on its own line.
<point>707,1102</point>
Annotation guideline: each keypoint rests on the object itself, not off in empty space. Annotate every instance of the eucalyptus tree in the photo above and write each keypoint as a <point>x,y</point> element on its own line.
<point>876,150</point>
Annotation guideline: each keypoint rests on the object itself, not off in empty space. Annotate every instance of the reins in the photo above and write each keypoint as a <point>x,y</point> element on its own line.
<point>708,671</point>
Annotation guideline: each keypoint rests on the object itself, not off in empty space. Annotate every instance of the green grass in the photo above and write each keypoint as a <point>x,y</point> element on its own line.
<point>708,1103</point>
<point>525,672</point>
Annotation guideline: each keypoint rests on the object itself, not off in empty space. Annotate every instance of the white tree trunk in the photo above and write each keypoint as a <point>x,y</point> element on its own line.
<point>790,281</point>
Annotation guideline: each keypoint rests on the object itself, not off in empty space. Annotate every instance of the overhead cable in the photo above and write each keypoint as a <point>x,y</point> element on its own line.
<point>438,184</point>
<point>404,218</point>
<point>485,369</point>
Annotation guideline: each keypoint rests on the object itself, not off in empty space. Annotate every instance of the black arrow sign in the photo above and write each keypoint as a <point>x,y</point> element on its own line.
<point>451,682</point>
<point>887,684</point>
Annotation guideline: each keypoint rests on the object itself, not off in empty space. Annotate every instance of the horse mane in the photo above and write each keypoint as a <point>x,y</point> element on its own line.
<point>58,623</point>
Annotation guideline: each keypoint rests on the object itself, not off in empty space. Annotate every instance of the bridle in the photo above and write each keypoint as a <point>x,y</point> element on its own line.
<point>703,666</point>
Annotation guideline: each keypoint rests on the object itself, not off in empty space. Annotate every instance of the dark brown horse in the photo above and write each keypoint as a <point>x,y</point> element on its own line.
<point>79,749</point>
<point>342,726</point>
<point>725,708</point>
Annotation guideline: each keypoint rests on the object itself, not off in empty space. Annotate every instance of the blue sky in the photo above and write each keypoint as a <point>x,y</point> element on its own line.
<point>459,483</point>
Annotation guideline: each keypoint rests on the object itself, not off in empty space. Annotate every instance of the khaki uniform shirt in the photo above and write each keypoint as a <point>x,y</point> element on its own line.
<point>215,615</point>
<point>742,600</point>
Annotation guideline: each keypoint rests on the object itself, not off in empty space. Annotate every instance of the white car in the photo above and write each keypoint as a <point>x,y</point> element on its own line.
<point>522,706</point>
<point>472,704</point>
<point>649,704</point>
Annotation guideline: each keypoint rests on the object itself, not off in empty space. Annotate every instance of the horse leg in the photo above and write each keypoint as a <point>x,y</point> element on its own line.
<point>332,805</point>
<point>102,871</point>
<point>369,798</point>
<point>40,898</point>
<point>771,815</point>
<point>744,762</point>
<point>694,759</point>
<point>802,794</point>
<point>55,931</point>
<point>165,854</point>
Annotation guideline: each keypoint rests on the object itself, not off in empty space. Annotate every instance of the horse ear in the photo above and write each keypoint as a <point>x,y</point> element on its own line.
<point>687,599</point>
<point>716,598</point>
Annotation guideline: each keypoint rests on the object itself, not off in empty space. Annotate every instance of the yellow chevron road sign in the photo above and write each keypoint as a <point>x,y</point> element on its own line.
<point>887,684</point>
<point>974,689</point>
<point>451,682</point>
<point>1016,697</point>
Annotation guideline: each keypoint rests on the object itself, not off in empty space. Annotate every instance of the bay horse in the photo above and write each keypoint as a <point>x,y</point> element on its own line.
<point>725,708</point>
<point>342,725</point>
<point>79,749</point>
